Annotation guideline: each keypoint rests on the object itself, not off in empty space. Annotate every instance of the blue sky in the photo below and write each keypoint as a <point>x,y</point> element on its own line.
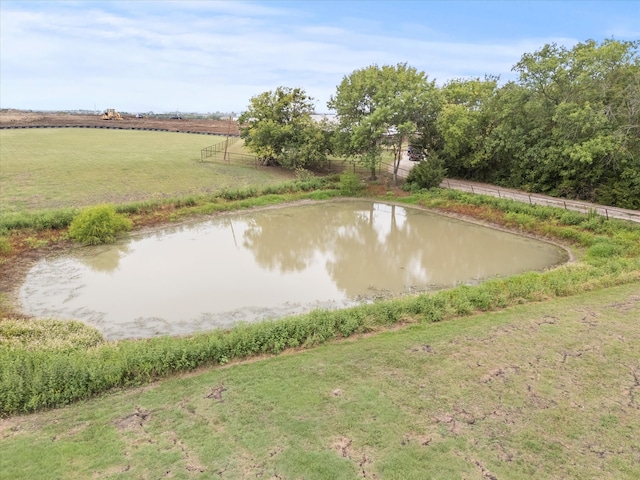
<point>207,55</point>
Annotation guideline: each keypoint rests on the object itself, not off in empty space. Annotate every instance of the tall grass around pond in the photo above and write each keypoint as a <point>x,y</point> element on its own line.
<point>60,372</point>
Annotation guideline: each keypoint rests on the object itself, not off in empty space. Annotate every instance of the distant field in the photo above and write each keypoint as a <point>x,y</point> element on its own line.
<point>71,167</point>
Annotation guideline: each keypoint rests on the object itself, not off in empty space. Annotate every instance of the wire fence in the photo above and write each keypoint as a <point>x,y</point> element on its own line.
<point>385,172</point>
<point>538,199</point>
<point>218,148</point>
<point>234,158</point>
<point>216,153</point>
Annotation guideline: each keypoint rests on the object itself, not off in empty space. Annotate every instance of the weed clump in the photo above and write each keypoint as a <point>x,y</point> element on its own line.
<point>5,245</point>
<point>99,224</point>
<point>350,184</point>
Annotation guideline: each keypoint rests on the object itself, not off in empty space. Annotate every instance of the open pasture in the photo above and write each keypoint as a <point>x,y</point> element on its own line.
<point>72,167</point>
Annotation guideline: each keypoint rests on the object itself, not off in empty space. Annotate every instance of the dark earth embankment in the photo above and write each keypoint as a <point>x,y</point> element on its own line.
<point>27,119</point>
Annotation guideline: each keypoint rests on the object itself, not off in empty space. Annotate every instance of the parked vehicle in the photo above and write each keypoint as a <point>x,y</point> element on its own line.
<point>111,114</point>
<point>415,154</point>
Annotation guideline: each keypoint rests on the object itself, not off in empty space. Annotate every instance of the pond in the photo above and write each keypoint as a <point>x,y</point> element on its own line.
<point>269,263</point>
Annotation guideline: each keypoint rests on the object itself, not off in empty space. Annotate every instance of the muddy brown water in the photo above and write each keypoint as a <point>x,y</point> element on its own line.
<point>271,263</point>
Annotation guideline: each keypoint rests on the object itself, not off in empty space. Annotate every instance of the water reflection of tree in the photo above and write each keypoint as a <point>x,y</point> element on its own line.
<point>287,240</point>
<point>383,246</point>
<point>379,246</point>
<point>363,246</point>
<point>105,258</point>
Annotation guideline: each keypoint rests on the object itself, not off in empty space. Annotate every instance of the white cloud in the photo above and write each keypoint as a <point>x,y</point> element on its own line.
<point>162,56</point>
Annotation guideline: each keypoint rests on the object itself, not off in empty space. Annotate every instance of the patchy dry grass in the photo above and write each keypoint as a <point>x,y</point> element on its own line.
<point>547,390</point>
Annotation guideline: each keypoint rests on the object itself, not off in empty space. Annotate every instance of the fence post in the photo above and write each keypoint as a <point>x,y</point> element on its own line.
<point>499,196</point>
<point>226,145</point>
<point>606,212</point>
<point>472,189</point>
<point>530,202</point>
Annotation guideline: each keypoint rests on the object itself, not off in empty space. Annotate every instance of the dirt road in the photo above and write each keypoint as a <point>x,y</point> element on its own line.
<point>538,199</point>
<point>532,198</point>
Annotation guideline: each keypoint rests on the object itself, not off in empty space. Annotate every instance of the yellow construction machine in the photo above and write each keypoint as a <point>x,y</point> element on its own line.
<point>111,114</point>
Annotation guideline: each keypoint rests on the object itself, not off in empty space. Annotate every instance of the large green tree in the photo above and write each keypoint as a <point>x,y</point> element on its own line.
<point>380,107</point>
<point>584,99</point>
<point>464,121</point>
<point>569,126</point>
<point>278,128</point>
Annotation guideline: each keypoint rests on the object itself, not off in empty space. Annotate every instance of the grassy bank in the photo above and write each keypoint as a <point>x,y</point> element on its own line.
<point>544,390</point>
<point>53,375</point>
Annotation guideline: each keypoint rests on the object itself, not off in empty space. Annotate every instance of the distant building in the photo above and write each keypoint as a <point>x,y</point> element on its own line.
<point>331,117</point>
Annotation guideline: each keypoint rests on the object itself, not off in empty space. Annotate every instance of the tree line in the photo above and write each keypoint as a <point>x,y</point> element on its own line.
<point>568,126</point>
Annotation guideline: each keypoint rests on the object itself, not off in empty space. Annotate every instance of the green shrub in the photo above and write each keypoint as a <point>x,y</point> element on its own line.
<point>239,194</point>
<point>5,246</point>
<point>303,174</point>
<point>569,217</point>
<point>54,219</point>
<point>139,207</point>
<point>570,234</point>
<point>595,223</point>
<point>189,201</point>
<point>280,189</point>
<point>313,183</point>
<point>351,321</point>
<point>350,184</point>
<point>427,173</point>
<point>604,248</point>
<point>322,194</point>
<point>523,221</point>
<point>99,224</point>
<point>49,334</point>
<point>431,307</point>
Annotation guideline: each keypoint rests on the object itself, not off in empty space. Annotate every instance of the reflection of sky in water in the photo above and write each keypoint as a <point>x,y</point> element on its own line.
<point>270,263</point>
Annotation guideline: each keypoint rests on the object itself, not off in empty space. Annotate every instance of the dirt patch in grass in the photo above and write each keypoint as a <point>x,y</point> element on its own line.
<point>216,393</point>
<point>9,427</point>
<point>135,430</point>
<point>134,421</point>
<point>192,464</point>
<point>344,447</point>
<point>629,304</point>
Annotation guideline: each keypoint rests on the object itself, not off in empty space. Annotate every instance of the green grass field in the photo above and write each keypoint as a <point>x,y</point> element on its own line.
<point>546,391</point>
<point>73,167</point>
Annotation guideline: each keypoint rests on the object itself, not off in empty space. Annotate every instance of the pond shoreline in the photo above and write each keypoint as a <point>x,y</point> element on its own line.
<point>15,270</point>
